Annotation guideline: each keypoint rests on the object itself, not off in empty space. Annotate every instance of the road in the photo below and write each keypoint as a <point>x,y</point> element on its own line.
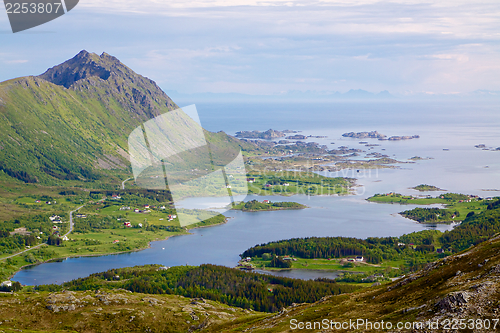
<point>71,225</point>
<point>18,253</point>
<point>123,183</point>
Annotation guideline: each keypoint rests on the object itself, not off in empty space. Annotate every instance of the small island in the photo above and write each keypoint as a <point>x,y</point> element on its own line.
<point>379,136</point>
<point>266,205</point>
<point>365,135</point>
<point>296,137</point>
<point>418,158</point>
<point>426,188</point>
<point>267,135</point>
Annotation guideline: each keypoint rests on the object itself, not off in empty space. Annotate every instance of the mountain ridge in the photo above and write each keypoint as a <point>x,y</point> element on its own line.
<point>74,119</point>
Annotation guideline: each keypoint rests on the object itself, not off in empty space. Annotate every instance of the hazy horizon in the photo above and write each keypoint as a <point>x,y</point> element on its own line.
<point>276,47</point>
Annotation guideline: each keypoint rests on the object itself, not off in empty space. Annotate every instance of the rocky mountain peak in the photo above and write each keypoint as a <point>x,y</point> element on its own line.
<point>107,77</point>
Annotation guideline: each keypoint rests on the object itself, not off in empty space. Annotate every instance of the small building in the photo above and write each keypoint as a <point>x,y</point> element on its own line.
<point>20,231</point>
<point>115,197</point>
<point>81,216</point>
<point>266,201</point>
<point>125,208</point>
<point>127,224</point>
<point>116,241</point>
<point>359,258</point>
<point>140,225</point>
<point>6,284</point>
<point>55,217</point>
<point>162,207</point>
<point>251,180</point>
<point>137,210</point>
<point>228,186</point>
<point>286,184</point>
<point>146,206</point>
<point>65,238</point>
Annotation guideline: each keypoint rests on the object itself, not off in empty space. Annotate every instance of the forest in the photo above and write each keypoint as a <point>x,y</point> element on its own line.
<point>373,249</point>
<point>416,248</point>
<point>425,215</point>
<point>218,283</point>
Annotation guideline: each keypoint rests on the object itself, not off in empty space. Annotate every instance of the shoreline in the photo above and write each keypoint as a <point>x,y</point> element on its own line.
<point>268,210</point>
<point>303,269</point>
<point>114,253</point>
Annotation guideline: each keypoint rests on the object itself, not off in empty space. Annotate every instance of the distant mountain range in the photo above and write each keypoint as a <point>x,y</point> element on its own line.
<point>351,95</point>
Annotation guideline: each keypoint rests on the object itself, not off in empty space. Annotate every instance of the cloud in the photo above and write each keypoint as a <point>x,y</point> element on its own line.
<point>20,61</point>
<point>280,45</point>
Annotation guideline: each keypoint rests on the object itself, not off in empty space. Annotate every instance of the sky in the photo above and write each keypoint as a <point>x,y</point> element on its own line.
<point>275,46</point>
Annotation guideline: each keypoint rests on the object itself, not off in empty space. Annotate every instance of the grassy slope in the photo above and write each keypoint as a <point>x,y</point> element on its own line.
<point>474,273</point>
<point>428,294</point>
<point>116,311</point>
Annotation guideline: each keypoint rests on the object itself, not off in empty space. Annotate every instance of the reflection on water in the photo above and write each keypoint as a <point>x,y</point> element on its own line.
<point>304,274</point>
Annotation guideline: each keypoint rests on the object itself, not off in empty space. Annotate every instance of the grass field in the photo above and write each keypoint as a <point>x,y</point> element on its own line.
<point>332,264</point>
<point>305,183</point>
<point>475,205</point>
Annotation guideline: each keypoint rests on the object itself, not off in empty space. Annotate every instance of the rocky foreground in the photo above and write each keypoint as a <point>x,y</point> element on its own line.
<point>115,311</point>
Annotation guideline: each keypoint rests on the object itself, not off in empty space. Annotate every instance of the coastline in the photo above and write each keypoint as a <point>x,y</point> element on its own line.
<point>119,252</point>
<point>268,210</point>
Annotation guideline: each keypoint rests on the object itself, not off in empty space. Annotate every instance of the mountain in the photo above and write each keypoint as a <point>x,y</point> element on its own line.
<point>72,122</point>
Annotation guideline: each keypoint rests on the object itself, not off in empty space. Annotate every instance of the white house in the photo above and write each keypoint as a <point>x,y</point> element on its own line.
<point>6,284</point>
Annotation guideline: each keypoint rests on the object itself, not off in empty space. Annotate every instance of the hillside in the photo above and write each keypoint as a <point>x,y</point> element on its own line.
<point>73,120</point>
<point>463,286</point>
<point>110,311</point>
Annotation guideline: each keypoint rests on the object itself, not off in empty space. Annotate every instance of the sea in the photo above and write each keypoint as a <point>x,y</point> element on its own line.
<point>449,133</point>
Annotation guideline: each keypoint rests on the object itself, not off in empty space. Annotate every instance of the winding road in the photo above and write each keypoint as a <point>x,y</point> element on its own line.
<point>71,225</point>
<point>123,183</point>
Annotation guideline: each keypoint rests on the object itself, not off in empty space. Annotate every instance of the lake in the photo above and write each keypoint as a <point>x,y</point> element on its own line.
<point>448,133</point>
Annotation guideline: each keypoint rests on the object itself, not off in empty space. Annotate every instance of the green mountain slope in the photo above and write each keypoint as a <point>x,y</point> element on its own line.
<point>73,121</point>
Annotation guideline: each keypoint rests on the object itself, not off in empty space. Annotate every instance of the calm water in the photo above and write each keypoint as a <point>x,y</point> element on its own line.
<point>461,168</point>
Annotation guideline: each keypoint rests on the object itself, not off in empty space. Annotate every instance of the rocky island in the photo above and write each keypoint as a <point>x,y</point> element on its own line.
<point>379,136</point>
<point>365,135</point>
<point>267,135</point>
